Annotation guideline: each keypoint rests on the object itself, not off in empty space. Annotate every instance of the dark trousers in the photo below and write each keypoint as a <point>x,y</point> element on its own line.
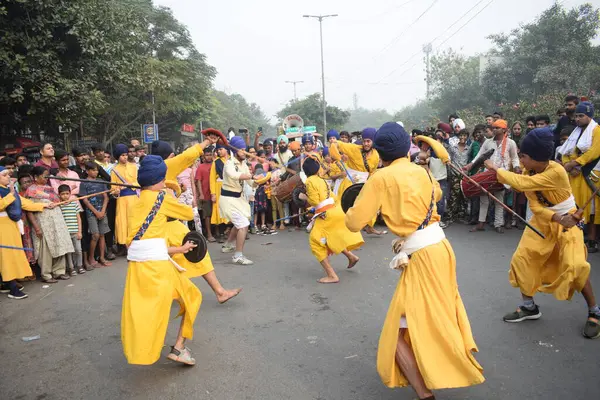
<point>111,214</point>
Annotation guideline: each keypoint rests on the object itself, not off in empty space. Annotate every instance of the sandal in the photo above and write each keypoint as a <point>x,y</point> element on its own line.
<point>183,356</point>
<point>63,277</point>
<point>89,267</point>
<point>51,280</point>
<point>73,273</point>
<point>211,240</point>
<point>591,329</point>
<point>81,270</point>
<point>104,263</point>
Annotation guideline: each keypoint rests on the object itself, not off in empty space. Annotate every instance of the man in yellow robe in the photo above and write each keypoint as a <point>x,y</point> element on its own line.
<point>556,264</point>
<point>124,172</point>
<point>426,339</point>
<point>153,279</point>
<point>328,234</point>
<point>362,162</point>
<point>216,183</point>
<point>580,154</point>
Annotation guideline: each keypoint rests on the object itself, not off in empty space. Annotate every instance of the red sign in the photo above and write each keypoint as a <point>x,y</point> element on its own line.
<point>188,128</point>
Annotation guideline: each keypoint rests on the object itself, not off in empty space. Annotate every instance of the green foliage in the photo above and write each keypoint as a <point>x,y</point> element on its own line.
<point>311,111</point>
<point>361,118</point>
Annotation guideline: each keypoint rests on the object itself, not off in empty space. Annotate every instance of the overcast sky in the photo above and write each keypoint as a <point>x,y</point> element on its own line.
<point>373,48</point>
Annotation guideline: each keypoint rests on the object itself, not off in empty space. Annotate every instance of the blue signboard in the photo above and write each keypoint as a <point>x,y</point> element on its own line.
<point>149,133</point>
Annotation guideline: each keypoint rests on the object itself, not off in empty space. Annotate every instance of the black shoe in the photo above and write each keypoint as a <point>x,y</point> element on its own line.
<point>18,295</point>
<point>523,314</point>
<point>591,329</point>
<point>4,288</point>
<point>592,246</point>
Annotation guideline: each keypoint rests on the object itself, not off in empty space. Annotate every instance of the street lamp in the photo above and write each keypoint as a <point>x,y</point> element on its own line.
<point>320,18</point>
<point>294,83</point>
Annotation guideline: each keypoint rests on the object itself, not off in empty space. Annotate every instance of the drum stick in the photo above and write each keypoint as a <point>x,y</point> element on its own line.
<point>295,215</point>
<point>2,246</point>
<point>498,201</point>
<point>587,203</point>
<point>60,178</point>
<point>80,198</point>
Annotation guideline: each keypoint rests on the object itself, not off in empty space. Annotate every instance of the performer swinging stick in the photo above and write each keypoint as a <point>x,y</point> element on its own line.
<point>426,340</point>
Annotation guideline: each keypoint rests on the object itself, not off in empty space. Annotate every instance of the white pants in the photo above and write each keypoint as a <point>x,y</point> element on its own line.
<point>484,203</point>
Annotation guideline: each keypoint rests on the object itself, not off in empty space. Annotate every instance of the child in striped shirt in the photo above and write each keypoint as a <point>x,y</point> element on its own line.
<point>72,218</point>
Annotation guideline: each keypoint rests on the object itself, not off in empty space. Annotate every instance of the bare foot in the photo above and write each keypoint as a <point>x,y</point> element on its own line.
<point>227,295</point>
<point>328,279</point>
<point>353,262</point>
<point>478,228</point>
<point>105,263</point>
<point>372,231</point>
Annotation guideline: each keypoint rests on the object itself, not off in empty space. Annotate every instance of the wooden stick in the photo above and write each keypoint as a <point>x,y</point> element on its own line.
<point>296,215</point>
<point>80,198</point>
<point>2,246</point>
<point>60,178</point>
<point>498,201</point>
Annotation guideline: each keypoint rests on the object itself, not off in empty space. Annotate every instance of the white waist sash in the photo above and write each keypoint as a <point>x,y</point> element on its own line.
<point>328,201</point>
<point>19,223</point>
<point>150,250</point>
<point>565,206</point>
<point>336,186</point>
<point>357,176</point>
<point>420,239</point>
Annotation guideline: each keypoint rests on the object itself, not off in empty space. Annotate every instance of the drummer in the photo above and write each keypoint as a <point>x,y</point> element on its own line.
<point>505,156</point>
<point>362,163</point>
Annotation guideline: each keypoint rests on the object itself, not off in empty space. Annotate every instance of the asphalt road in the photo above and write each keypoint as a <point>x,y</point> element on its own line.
<point>288,337</point>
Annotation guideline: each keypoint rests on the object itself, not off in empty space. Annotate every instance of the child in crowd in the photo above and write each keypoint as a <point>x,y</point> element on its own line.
<point>261,199</point>
<point>72,218</point>
<point>276,205</point>
<point>96,214</point>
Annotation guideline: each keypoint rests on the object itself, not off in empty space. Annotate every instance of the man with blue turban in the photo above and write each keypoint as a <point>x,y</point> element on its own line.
<point>154,280</point>
<point>426,320</point>
<point>361,162</point>
<point>232,205</point>
<point>123,172</point>
<point>283,157</point>
<point>580,156</point>
<point>536,266</point>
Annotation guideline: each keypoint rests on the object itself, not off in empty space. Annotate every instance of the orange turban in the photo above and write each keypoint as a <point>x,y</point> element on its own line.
<point>500,124</point>
<point>293,146</point>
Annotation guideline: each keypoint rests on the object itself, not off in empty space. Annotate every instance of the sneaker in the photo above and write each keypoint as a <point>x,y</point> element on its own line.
<point>522,314</point>
<point>18,295</point>
<point>4,288</point>
<point>227,248</point>
<point>443,225</point>
<point>242,260</point>
<point>591,329</point>
<point>253,230</point>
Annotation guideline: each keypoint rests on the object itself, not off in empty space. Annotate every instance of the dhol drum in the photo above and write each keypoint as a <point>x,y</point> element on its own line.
<point>486,179</point>
<point>283,191</point>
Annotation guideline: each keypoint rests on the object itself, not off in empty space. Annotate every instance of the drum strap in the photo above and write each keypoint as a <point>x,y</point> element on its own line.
<point>431,204</point>
<point>151,215</point>
<point>540,197</point>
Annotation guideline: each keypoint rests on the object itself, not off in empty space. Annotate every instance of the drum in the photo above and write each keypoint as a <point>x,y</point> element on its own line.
<point>486,179</point>
<point>283,191</point>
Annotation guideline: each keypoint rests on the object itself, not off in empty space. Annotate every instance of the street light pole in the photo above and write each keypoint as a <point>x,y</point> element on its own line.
<point>294,83</point>
<point>320,18</point>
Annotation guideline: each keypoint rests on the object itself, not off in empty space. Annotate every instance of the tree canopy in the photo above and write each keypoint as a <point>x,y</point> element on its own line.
<point>311,110</point>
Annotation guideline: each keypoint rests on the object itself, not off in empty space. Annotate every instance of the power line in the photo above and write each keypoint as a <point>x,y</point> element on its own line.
<point>439,36</point>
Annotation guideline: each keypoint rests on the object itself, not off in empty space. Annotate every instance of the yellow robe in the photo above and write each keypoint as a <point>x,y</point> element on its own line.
<point>355,161</point>
<point>328,235</point>
<point>151,286</point>
<point>216,184</point>
<point>427,293</point>
<point>558,263</point>
<point>13,263</point>
<point>581,190</point>
<point>176,231</point>
<point>129,173</point>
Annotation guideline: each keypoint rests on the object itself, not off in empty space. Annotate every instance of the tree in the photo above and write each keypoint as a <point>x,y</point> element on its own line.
<point>361,118</point>
<point>311,111</point>
<point>552,54</point>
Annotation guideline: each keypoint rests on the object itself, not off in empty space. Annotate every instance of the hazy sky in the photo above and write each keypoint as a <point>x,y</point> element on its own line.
<point>373,48</point>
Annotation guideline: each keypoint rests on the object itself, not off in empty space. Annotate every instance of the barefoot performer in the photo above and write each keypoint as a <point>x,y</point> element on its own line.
<point>556,264</point>
<point>176,230</point>
<point>153,279</point>
<point>328,235</point>
<point>362,163</point>
<point>426,340</point>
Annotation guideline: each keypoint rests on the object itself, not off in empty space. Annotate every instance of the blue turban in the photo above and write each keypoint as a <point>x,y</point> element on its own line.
<point>220,146</point>
<point>2,168</point>
<point>237,143</point>
<point>311,166</point>
<point>308,138</point>
<point>391,141</point>
<point>333,133</point>
<point>119,149</point>
<point>160,148</point>
<point>325,151</point>
<point>152,170</point>
<point>539,144</point>
<point>284,138</point>
<point>268,142</point>
<point>369,133</point>
<point>586,108</point>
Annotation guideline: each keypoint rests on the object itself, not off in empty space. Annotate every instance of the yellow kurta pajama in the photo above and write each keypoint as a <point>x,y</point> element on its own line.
<point>558,263</point>
<point>151,286</point>
<point>427,293</point>
<point>127,196</point>
<point>13,263</point>
<point>328,235</point>
<point>581,190</point>
<point>355,162</point>
<point>176,231</point>
<point>216,183</point>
